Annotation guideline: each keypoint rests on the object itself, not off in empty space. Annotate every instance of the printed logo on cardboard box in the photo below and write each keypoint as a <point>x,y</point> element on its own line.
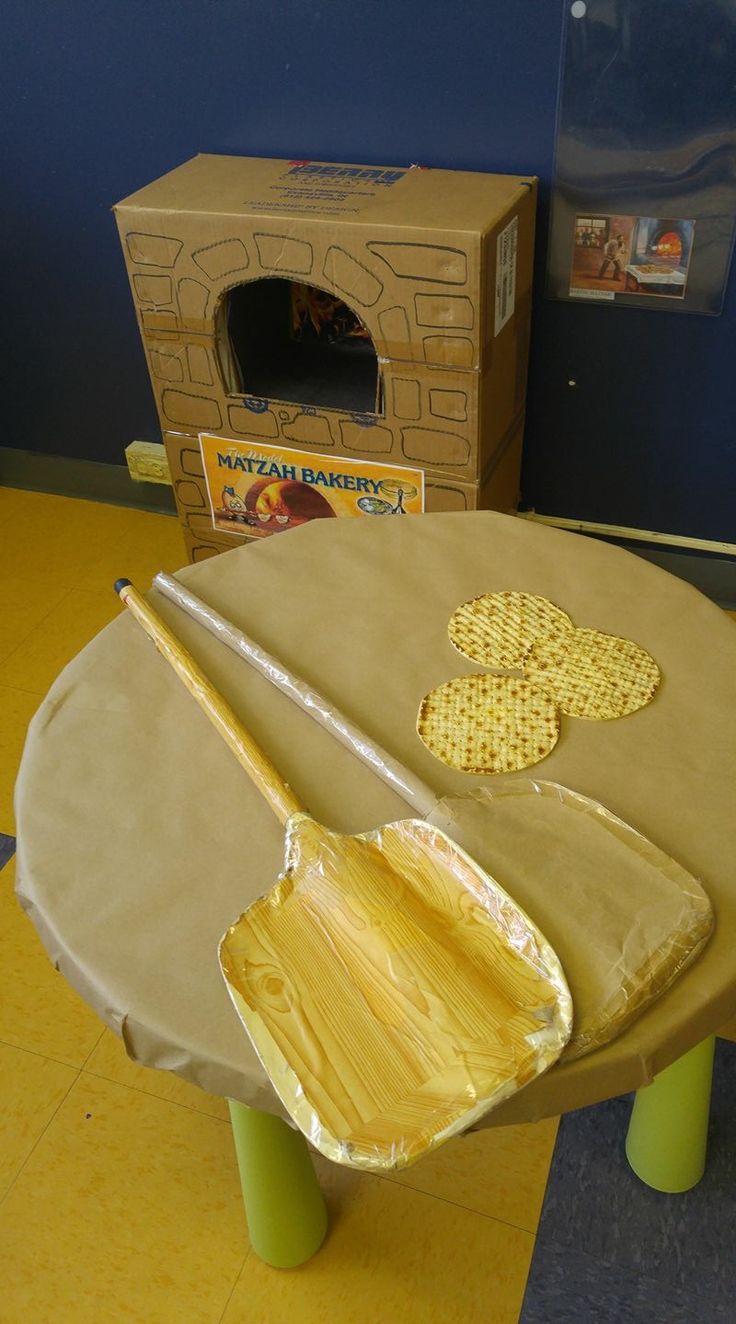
<point>255,490</point>
<point>328,170</point>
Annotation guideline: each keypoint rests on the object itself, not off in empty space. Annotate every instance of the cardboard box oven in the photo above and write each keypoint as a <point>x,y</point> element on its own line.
<point>417,290</point>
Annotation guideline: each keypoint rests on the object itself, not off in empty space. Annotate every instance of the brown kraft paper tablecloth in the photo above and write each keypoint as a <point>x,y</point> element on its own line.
<point>140,839</point>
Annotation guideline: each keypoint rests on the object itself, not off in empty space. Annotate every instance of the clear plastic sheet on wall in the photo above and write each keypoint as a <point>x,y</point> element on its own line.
<point>644,192</point>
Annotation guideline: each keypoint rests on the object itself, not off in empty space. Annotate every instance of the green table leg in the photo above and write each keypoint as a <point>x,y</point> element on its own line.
<point>668,1132</point>
<point>284,1206</point>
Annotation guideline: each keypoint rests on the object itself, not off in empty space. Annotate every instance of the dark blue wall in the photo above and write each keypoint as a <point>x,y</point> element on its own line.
<point>98,97</point>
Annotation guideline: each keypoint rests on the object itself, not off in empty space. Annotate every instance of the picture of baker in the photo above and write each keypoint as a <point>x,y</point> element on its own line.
<point>624,255</point>
<point>601,251</point>
<point>614,256</point>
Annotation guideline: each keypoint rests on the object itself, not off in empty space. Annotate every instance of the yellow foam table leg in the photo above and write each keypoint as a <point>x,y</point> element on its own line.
<point>284,1206</point>
<point>668,1132</point>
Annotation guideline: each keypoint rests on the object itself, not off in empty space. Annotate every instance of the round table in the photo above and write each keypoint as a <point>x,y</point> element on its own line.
<point>140,839</point>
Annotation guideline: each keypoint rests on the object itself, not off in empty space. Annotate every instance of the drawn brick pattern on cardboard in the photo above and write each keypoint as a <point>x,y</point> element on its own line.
<point>412,253</point>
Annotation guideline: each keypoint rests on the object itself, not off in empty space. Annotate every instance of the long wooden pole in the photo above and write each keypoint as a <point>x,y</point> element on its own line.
<point>259,768</point>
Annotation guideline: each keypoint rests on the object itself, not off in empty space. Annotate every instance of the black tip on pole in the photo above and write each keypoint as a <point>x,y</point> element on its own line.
<point>120,584</point>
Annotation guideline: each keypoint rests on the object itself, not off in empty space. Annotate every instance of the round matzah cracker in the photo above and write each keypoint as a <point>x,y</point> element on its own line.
<point>498,629</point>
<point>487,723</point>
<point>593,675</point>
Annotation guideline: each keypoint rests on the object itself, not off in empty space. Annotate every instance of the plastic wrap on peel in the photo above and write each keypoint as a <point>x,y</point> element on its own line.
<point>392,990</point>
<point>393,773</point>
<point>624,918</point>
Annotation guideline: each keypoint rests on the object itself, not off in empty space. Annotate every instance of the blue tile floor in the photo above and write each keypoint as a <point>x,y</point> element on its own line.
<point>7,848</point>
<point>610,1249</point>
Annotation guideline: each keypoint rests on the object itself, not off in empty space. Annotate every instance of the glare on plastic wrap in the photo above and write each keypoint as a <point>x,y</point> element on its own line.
<point>644,190</point>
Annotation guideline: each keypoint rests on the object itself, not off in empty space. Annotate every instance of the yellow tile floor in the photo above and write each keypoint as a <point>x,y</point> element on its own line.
<point>119,1198</point>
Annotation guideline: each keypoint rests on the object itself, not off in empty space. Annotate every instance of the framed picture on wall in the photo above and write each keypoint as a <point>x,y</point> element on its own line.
<point>644,192</point>
<point>640,255</point>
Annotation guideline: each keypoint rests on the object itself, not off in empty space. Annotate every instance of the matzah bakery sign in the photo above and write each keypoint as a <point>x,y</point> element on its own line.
<point>256,490</point>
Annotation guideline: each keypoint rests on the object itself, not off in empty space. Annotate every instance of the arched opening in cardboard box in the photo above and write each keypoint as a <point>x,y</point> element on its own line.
<point>285,340</point>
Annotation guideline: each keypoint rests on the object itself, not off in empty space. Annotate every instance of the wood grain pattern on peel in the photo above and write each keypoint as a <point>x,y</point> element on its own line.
<point>379,983</point>
<point>593,675</point>
<point>488,724</point>
<point>498,629</point>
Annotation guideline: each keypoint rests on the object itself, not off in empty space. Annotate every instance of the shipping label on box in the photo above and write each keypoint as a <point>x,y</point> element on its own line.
<point>255,490</point>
